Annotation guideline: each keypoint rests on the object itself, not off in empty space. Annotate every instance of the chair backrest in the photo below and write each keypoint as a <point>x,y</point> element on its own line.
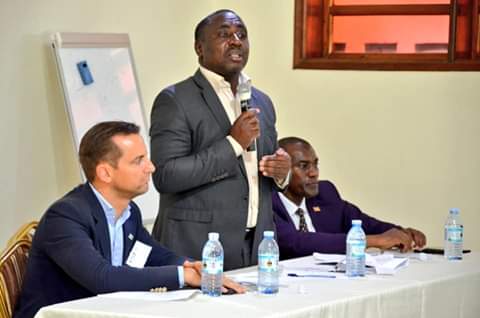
<point>13,263</point>
<point>26,232</point>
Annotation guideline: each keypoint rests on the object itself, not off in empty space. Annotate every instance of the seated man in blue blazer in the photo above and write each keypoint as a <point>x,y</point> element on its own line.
<point>92,240</point>
<point>310,216</point>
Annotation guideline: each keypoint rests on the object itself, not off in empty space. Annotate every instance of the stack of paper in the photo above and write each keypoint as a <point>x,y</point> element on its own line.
<point>384,264</point>
<point>328,258</point>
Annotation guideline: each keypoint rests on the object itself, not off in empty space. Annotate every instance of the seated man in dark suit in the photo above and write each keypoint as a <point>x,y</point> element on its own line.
<point>310,216</point>
<point>90,241</point>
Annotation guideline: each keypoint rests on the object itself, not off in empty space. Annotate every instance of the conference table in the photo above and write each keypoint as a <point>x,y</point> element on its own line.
<point>432,287</point>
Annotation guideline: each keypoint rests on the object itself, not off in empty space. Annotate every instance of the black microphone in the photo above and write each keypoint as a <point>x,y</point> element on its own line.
<point>245,92</point>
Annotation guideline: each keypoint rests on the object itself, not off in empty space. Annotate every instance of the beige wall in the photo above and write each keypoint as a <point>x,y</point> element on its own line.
<point>37,162</point>
<point>401,145</point>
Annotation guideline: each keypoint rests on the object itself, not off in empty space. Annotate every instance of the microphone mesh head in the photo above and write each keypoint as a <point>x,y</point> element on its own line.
<point>244,91</point>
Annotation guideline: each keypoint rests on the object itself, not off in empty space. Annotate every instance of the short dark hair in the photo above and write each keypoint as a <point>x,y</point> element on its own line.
<point>207,20</point>
<point>97,145</point>
<point>284,142</point>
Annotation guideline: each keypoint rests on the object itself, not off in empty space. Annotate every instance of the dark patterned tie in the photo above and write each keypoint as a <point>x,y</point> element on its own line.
<point>302,227</point>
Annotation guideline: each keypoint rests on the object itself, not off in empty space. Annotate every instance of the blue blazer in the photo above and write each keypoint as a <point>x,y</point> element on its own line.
<point>332,218</point>
<point>70,256</point>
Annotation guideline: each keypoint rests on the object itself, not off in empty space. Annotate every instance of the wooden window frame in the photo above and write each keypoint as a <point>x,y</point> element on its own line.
<point>454,60</point>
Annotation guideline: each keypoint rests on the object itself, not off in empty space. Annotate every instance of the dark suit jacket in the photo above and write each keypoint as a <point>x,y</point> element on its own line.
<point>332,218</point>
<point>70,256</point>
<point>202,183</point>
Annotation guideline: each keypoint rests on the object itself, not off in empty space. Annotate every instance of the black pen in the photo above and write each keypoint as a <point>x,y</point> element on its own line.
<point>311,275</point>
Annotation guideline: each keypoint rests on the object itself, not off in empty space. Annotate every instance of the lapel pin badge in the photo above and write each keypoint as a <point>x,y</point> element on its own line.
<point>316,209</point>
<point>130,237</point>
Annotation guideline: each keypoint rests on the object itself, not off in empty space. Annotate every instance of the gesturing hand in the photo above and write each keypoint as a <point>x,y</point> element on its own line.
<point>276,165</point>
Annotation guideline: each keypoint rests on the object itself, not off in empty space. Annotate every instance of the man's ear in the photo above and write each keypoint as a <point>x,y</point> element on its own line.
<point>104,172</point>
<point>198,49</point>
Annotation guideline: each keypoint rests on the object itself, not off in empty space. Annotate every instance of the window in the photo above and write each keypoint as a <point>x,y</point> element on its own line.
<point>387,34</point>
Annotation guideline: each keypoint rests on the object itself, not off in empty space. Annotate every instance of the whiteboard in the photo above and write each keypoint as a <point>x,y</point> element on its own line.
<point>112,95</point>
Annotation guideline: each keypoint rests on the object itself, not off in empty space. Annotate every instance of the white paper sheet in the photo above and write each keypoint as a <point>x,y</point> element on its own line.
<point>384,264</point>
<point>328,258</point>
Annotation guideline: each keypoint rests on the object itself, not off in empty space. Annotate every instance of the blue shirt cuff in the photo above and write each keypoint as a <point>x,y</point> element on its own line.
<point>181,279</point>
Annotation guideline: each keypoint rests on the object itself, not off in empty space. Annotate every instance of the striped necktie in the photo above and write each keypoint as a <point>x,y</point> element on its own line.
<point>303,224</point>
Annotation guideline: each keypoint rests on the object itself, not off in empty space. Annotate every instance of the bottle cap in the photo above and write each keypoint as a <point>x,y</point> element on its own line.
<point>213,236</point>
<point>454,211</point>
<point>268,234</point>
<point>356,222</point>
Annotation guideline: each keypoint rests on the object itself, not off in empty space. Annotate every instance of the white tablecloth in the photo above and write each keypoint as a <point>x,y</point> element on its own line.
<point>432,288</point>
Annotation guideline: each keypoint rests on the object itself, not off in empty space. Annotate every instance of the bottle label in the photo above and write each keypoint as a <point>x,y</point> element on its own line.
<point>357,249</point>
<point>212,265</point>
<point>267,263</point>
<point>454,234</point>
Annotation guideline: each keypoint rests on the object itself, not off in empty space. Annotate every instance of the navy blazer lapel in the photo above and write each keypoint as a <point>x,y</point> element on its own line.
<point>314,216</point>
<point>129,234</point>
<point>278,207</point>
<point>101,227</point>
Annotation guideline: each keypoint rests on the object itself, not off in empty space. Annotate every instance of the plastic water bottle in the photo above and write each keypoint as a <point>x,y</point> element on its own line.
<point>212,271</point>
<point>268,270</point>
<point>453,236</point>
<point>356,244</point>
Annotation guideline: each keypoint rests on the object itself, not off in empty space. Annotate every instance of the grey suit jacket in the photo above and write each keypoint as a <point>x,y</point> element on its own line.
<point>203,185</point>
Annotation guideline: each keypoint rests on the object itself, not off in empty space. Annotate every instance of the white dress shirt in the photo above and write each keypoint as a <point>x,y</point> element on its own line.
<point>115,227</point>
<point>115,231</point>
<point>292,209</point>
<point>231,104</point>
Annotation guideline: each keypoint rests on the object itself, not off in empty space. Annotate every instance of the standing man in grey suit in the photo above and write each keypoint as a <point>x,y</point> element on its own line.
<point>207,179</point>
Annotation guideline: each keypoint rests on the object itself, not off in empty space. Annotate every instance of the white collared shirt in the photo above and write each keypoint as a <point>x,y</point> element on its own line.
<point>292,209</point>
<point>115,227</point>
<point>231,104</point>
<point>115,231</point>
